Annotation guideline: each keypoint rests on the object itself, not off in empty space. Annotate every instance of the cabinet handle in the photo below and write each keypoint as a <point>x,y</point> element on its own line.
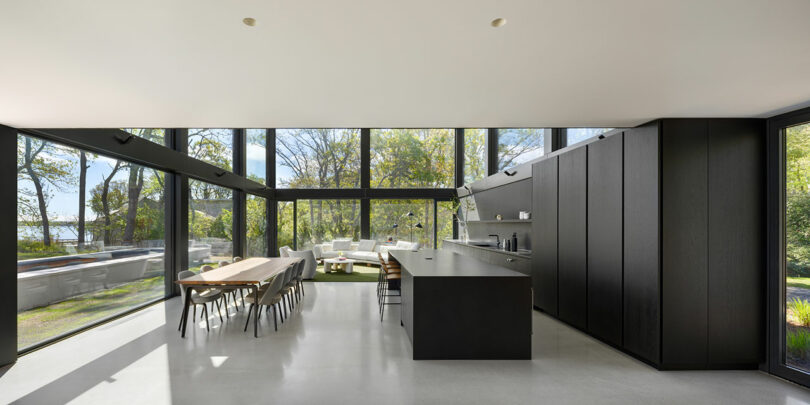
<point>510,260</point>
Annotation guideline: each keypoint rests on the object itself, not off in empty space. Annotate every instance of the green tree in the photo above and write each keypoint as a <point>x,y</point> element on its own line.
<point>797,202</point>
<point>44,165</point>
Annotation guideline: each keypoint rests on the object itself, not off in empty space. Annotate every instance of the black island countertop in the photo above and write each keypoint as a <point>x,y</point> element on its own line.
<point>444,263</point>
<point>458,307</point>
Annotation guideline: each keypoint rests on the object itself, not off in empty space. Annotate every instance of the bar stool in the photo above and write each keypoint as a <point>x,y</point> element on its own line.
<point>391,266</point>
<point>392,272</point>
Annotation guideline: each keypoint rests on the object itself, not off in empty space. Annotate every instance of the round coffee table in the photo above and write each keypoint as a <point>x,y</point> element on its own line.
<point>344,264</point>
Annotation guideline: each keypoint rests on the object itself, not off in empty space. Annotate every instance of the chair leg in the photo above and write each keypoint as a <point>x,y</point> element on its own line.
<point>382,306</point>
<point>194,314</point>
<point>248,317</point>
<point>259,314</point>
<point>243,297</point>
<point>280,314</point>
<point>302,288</point>
<point>275,323</point>
<point>219,311</point>
<point>207,327</point>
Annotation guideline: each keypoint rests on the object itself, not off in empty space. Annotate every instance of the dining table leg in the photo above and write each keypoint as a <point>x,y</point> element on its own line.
<point>256,313</point>
<point>185,310</point>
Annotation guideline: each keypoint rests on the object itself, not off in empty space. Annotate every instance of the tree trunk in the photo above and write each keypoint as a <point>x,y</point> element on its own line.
<point>105,204</point>
<point>133,195</point>
<point>82,188</point>
<point>43,209</point>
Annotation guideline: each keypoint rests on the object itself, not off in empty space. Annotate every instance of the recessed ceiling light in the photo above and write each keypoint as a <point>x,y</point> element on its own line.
<point>498,22</point>
<point>249,21</point>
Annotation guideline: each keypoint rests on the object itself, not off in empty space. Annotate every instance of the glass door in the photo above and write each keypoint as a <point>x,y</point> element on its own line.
<point>796,270</point>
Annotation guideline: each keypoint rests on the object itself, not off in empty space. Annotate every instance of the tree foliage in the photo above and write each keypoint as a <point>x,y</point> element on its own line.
<point>797,201</point>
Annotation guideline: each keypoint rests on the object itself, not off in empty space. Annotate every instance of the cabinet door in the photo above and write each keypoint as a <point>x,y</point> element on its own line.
<point>544,235</point>
<point>605,239</point>
<point>736,237</point>
<point>642,310</point>
<point>684,272</point>
<point>572,229</point>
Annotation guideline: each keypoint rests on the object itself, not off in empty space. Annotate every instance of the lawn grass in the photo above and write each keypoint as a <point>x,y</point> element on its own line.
<point>38,324</point>
<point>800,282</point>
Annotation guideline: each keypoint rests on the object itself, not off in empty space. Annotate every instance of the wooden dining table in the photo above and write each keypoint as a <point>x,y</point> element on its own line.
<point>248,273</point>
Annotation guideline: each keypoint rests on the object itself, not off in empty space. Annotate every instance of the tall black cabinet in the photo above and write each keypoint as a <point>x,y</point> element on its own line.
<point>572,242</point>
<point>605,239</point>
<point>672,257</point>
<point>544,227</point>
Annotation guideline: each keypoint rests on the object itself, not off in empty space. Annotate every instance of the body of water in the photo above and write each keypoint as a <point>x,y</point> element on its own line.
<point>60,232</point>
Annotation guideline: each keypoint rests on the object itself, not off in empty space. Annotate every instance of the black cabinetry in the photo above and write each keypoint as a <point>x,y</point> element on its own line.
<point>674,254</point>
<point>605,239</point>
<point>572,242</point>
<point>544,234</point>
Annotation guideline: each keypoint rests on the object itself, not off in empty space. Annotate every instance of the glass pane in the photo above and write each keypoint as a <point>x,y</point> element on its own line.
<point>409,220</point>
<point>322,221</point>
<point>475,155</point>
<point>412,158</point>
<point>155,135</point>
<point>318,158</point>
<point>444,221</point>
<point>519,145</point>
<point>256,162</point>
<point>797,246</point>
<point>256,217</point>
<point>576,135</point>
<point>210,224</point>
<point>90,238</point>
<point>285,224</point>
<point>212,145</point>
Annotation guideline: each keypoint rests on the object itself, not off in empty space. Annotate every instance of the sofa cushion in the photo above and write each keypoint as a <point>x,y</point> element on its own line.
<point>284,251</point>
<point>366,245</point>
<point>401,244</point>
<point>342,245</point>
<point>329,255</point>
<point>370,257</point>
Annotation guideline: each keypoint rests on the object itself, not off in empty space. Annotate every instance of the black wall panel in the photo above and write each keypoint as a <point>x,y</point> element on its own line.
<point>736,241</point>
<point>605,239</point>
<point>8,240</point>
<point>572,237</point>
<point>544,228</point>
<point>642,310</point>
<point>684,210</point>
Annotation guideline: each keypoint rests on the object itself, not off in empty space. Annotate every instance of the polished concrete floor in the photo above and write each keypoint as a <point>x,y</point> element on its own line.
<point>336,350</point>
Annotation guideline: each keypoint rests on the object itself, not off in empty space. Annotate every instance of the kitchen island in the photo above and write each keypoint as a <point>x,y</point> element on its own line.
<point>458,307</point>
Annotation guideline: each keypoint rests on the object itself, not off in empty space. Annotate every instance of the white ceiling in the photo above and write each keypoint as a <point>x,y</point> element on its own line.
<point>409,63</point>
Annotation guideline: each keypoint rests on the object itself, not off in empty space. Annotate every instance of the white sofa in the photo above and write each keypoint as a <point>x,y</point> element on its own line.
<point>363,251</point>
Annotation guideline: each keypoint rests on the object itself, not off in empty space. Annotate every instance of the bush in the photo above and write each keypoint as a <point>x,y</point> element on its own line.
<point>798,343</point>
<point>801,310</point>
<point>32,248</point>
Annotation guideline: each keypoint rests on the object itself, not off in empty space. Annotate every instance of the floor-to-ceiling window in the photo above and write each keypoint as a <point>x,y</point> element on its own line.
<point>212,145</point>
<point>797,246</point>
<point>256,154</point>
<point>256,230</point>
<point>577,135</point>
<point>412,158</point>
<point>519,145</point>
<point>285,226</point>
<point>210,223</point>
<point>475,154</point>
<point>90,237</point>
<point>318,158</point>
<point>409,220</point>
<point>321,221</point>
